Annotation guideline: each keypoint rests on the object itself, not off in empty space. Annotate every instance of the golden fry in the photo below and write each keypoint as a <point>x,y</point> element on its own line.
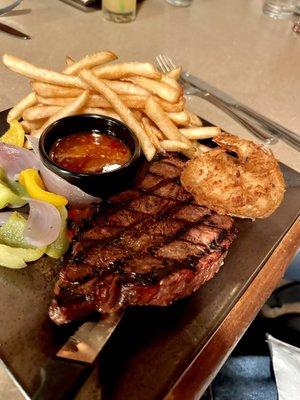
<point>172,82</point>
<point>170,107</point>
<point>32,125</point>
<point>90,61</point>
<point>137,114</point>
<point>95,100</point>
<point>195,120</point>
<point>70,109</point>
<point>174,145</point>
<point>161,119</point>
<point>17,111</point>
<point>202,132</point>
<point>122,110</point>
<point>180,118</point>
<point>49,90</point>
<point>122,70</point>
<point>161,89</point>
<point>23,67</point>
<point>39,112</point>
<point>157,132</point>
<point>175,73</point>
<point>121,87</point>
<point>148,128</point>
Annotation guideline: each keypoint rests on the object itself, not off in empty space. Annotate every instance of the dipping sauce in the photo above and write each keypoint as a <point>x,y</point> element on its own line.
<point>90,152</point>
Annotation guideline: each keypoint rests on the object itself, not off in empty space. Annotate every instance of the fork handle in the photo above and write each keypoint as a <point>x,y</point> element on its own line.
<point>263,136</point>
<point>278,130</point>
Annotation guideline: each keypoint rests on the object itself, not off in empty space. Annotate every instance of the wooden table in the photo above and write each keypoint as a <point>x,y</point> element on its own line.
<point>229,44</point>
<point>207,364</point>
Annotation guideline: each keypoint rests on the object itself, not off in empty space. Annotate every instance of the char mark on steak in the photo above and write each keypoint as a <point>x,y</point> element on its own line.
<point>147,246</point>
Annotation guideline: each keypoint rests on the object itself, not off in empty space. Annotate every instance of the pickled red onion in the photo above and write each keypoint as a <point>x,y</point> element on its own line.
<point>43,223</point>
<point>14,159</point>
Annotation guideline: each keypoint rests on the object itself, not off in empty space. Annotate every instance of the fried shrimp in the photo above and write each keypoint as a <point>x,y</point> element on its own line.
<point>248,184</point>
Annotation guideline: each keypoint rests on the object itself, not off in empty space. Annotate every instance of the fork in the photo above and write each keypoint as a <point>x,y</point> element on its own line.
<point>166,65</point>
<point>7,9</point>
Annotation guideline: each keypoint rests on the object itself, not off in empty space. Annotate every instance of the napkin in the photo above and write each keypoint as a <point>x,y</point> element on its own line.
<point>286,365</point>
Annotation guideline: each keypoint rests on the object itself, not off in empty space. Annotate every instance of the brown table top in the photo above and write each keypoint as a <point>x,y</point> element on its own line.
<point>229,44</point>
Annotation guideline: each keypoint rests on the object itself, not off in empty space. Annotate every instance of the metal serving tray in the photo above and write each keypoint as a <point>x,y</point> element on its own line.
<point>152,346</point>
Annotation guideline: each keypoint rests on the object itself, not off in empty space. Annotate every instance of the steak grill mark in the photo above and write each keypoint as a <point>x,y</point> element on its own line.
<point>143,236</point>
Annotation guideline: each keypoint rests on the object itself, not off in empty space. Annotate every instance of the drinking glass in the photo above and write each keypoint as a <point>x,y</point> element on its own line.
<point>279,8</point>
<point>180,3</point>
<point>119,10</point>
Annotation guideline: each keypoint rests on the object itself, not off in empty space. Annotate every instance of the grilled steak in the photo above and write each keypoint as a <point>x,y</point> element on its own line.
<point>150,245</point>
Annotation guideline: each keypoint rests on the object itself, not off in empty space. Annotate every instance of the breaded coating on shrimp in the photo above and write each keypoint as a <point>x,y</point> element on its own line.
<point>250,185</point>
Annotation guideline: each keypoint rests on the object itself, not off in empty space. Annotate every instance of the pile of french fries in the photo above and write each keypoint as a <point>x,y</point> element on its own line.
<point>150,103</point>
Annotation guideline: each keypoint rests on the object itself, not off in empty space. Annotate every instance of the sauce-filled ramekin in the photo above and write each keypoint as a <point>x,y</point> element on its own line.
<point>104,182</point>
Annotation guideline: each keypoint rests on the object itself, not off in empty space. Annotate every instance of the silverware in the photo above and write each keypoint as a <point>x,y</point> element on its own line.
<point>7,9</point>
<point>64,373</point>
<point>270,131</point>
<point>12,31</point>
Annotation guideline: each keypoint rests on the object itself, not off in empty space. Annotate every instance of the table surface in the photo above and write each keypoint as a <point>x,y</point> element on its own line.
<point>231,45</point>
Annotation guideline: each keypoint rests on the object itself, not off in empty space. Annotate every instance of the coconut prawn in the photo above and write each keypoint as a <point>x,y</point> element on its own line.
<point>238,178</point>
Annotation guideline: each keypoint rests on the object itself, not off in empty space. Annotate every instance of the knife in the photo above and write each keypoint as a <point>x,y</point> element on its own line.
<point>277,130</point>
<point>66,371</point>
<point>12,31</point>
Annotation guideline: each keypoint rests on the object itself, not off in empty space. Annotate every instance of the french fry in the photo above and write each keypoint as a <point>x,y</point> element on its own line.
<point>202,132</point>
<point>121,109</point>
<point>163,90</point>
<point>202,147</point>
<point>32,125</point>
<point>172,82</point>
<point>180,118</point>
<point>118,71</point>
<point>157,132</point>
<point>49,90</point>
<point>137,114</point>
<point>24,68</point>
<point>39,112</point>
<point>126,88</point>
<point>195,120</point>
<point>95,100</point>
<point>161,119</point>
<point>148,128</point>
<point>175,145</point>
<point>70,109</point>
<point>175,73</point>
<point>170,107</point>
<point>17,111</point>
<point>90,61</point>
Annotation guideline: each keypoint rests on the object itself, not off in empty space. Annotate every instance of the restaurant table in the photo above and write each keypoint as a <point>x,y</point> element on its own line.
<point>232,46</point>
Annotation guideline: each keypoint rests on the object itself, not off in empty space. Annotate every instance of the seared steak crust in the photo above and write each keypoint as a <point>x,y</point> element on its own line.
<point>151,245</point>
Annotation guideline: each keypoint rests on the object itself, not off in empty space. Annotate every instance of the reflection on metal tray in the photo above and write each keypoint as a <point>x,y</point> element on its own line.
<point>167,339</point>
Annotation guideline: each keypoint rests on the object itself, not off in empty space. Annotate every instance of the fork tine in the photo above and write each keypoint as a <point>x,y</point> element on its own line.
<point>170,62</point>
<point>160,63</point>
<point>166,67</point>
<point>166,63</point>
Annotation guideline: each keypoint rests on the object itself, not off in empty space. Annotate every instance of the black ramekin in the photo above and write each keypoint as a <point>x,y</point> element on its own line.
<point>100,184</point>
